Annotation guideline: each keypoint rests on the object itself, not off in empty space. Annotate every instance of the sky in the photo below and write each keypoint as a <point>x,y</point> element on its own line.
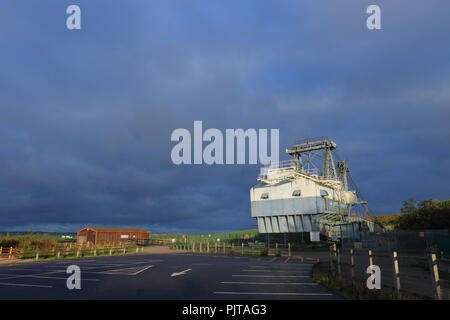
<point>86,115</point>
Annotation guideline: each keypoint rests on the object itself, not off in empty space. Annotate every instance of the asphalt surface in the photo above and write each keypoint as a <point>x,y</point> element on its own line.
<point>165,276</point>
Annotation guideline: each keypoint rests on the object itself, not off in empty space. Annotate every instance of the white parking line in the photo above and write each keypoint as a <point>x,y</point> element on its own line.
<point>251,270</point>
<point>267,276</point>
<point>276,293</point>
<point>273,283</point>
<point>24,285</point>
<point>141,270</point>
<point>125,271</point>
<point>13,276</point>
<point>287,265</point>
<point>282,267</point>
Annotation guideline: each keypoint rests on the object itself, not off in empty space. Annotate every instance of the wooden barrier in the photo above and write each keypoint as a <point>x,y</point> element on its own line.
<point>58,253</point>
<point>396,272</point>
<point>435,276</point>
<point>10,252</point>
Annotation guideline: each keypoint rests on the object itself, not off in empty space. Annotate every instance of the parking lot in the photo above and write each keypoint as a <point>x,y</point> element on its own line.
<point>164,276</point>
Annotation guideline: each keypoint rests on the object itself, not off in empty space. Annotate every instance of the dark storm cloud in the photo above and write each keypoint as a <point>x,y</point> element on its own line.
<point>86,116</point>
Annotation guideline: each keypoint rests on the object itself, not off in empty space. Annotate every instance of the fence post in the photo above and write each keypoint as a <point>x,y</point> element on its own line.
<point>207,247</point>
<point>352,265</point>
<point>58,255</point>
<point>200,247</point>
<point>37,255</point>
<point>289,249</point>
<point>332,258</point>
<point>224,248</point>
<point>242,248</point>
<point>370,258</point>
<point>396,272</point>
<point>10,253</point>
<point>215,248</point>
<point>137,249</point>
<point>276,248</point>
<point>435,276</point>
<point>78,252</point>
<point>338,254</point>
<point>124,250</point>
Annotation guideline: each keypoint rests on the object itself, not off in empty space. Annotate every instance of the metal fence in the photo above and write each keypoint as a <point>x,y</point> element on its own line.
<point>409,275</point>
<point>407,241</point>
<point>243,248</point>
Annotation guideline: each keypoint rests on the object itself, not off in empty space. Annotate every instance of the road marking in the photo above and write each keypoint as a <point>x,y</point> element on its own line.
<point>276,293</point>
<point>24,285</point>
<point>251,270</point>
<point>136,273</point>
<point>126,271</point>
<point>266,276</point>
<point>13,276</point>
<point>273,283</point>
<point>180,273</point>
<point>283,266</point>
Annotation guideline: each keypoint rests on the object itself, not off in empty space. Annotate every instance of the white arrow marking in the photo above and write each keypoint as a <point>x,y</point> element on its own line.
<point>180,273</point>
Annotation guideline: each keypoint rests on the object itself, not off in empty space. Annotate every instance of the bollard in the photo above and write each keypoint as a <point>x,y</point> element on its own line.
<point>242,248</point>
<point>110,252</point>
<point>435,276</point>
<point>370,258</point>
<point>396,272</point>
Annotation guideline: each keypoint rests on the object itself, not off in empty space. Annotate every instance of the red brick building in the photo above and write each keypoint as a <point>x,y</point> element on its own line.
<point>112,236</point>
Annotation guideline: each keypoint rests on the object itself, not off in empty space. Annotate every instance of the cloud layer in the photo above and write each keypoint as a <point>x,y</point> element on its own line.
<point>86,116</point>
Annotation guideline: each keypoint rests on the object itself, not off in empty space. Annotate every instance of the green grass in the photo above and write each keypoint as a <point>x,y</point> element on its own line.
<point>355,290</point>
<point>29,240</point>
<point>224,236</point>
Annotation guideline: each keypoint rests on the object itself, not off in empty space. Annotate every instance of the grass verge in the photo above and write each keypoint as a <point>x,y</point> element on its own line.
<point>355,290</point>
